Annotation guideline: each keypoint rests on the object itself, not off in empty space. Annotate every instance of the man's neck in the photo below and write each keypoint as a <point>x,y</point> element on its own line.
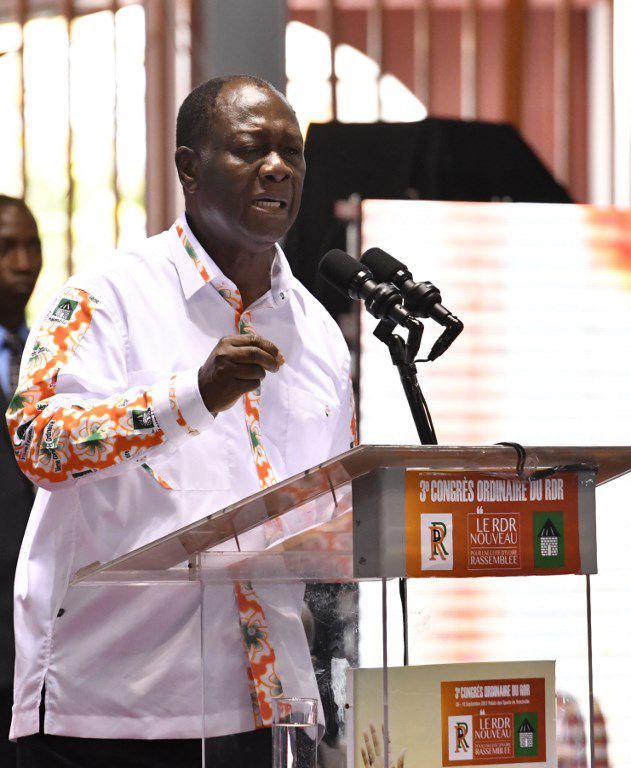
<point>251,274</point>
<point>249,270</point>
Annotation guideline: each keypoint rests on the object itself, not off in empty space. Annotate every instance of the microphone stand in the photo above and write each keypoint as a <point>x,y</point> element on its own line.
<point>402,354</point>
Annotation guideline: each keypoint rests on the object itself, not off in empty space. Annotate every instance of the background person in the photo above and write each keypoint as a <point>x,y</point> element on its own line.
<point>20,263</point>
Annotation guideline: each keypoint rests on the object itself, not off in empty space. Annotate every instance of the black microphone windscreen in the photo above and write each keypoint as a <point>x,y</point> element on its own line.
<point>339,269</point>
<point>383,266</point>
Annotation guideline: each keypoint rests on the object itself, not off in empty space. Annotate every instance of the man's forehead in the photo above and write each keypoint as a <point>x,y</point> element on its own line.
<point>251,105</point>
<point>16,216</point>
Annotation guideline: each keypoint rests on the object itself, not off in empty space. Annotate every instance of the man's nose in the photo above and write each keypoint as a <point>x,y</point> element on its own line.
<point>275,168</point>
<point>23,259</point>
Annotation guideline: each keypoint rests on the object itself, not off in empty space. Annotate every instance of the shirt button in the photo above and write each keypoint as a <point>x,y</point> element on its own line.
<point>60,613</point>
<point>282,296</point>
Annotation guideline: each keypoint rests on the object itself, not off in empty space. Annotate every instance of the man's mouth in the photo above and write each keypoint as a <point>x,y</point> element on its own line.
<point>23,286</point>
<point>269,204</point>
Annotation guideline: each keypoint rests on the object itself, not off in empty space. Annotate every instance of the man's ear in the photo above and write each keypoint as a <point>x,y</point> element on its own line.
<point>187,164</point>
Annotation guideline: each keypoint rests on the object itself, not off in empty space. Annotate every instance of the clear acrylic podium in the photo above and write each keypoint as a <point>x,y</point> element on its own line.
<point>340,530</point>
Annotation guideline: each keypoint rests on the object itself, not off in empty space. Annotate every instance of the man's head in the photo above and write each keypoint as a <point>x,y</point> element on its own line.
<point>240,161</point>
<point>20,254</point>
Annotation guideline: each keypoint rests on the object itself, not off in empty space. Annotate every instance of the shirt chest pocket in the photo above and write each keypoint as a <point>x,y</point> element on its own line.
<point>310,429</point>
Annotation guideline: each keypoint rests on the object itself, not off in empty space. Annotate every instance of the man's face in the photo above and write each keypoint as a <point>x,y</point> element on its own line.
<point>20,254</point>
<point>251,169</point>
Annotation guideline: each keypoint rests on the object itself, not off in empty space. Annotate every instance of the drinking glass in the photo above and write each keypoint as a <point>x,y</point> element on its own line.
<point>294,733</point>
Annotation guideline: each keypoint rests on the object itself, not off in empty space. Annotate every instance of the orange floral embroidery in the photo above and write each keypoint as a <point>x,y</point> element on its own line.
<point>252,400</point>
<point>261,656</point>
<point>243,324</point>
<point>354,434</point>
<point>58,441</point>
<point>158,478</point>
<point>191,252</point>
<point>263,681</point>
<point>173,404</point>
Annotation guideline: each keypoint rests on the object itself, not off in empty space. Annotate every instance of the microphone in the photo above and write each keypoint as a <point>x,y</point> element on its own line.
<point>353,279</point>
<point>421,299</point>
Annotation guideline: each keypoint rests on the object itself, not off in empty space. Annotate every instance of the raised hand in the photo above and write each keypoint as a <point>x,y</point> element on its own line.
<point>236,365</point>
<point>372,756</point>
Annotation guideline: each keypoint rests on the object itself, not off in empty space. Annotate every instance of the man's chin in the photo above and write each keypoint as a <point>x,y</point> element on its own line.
<point>22,291</point>
<point>268,235</point>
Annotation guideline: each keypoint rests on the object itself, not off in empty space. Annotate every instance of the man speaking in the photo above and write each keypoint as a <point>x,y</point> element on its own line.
<point>157,388</point>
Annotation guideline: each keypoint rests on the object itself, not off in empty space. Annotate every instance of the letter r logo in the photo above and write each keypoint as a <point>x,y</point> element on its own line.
<point>438,533</point>
<point>437,541</point>
<point>462,729</point>
<point>460,738</point>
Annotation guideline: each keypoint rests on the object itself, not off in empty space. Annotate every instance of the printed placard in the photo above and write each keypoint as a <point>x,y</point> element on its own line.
<point>472,524</point>
<point>491,714</point>
<point>500,721</point>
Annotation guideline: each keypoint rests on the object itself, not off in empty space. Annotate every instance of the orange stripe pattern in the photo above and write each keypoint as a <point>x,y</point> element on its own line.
<point>191,253</point>
<point>158,478</point>
<point>261,659</point>
<point>354,434</point>
<point>173,405</point>
<point>251,402</point>
<point>264,682</point>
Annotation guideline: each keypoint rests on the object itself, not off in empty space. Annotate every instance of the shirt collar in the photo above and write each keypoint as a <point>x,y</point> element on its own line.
<point>196,268</point>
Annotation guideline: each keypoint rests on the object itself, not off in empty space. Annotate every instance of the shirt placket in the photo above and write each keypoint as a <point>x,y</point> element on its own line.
<point>263,680</point>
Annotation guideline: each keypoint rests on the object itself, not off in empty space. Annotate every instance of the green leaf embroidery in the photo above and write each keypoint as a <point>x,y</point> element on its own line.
<point>17,403</point>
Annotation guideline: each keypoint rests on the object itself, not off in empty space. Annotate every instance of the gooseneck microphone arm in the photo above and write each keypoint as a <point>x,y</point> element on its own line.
<point>402,355</point>
<point>384,301</point>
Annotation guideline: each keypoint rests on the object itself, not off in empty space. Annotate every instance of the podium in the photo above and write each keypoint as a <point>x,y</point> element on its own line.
<point>352,520</point>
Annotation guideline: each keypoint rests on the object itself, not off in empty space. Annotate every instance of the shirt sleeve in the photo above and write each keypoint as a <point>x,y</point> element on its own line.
<point>73,413</point>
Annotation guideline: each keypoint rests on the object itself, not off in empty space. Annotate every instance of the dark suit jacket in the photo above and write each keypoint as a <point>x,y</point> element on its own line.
<point>16,500</point>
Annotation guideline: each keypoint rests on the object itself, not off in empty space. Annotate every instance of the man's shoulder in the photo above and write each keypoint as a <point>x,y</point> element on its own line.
<point>143,260</point>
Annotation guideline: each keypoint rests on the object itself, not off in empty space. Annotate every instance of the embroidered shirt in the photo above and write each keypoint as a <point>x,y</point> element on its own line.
<point>108,420</point>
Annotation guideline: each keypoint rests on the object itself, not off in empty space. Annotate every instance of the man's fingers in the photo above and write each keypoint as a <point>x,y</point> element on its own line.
<point>242,371</point>
<point>365,758</point>
<point>251,355</point>
<point>242,386</point>
<point>375,739</point>
<point>254,340</point>
<point>235,366</point>
<point>401,760</point>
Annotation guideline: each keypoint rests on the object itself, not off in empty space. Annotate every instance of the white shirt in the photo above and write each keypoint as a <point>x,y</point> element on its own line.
<point>123,661</point>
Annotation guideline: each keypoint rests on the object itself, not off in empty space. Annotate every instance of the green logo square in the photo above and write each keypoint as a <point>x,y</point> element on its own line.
<point>526,734</point>
<point>548,539</point>
<point>142,419</point>
<point>64,310</point>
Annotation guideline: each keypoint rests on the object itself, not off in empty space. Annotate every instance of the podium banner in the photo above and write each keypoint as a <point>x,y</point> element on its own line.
<point>484,714</point>
<point>475,524</point>
<point>494,721</point>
